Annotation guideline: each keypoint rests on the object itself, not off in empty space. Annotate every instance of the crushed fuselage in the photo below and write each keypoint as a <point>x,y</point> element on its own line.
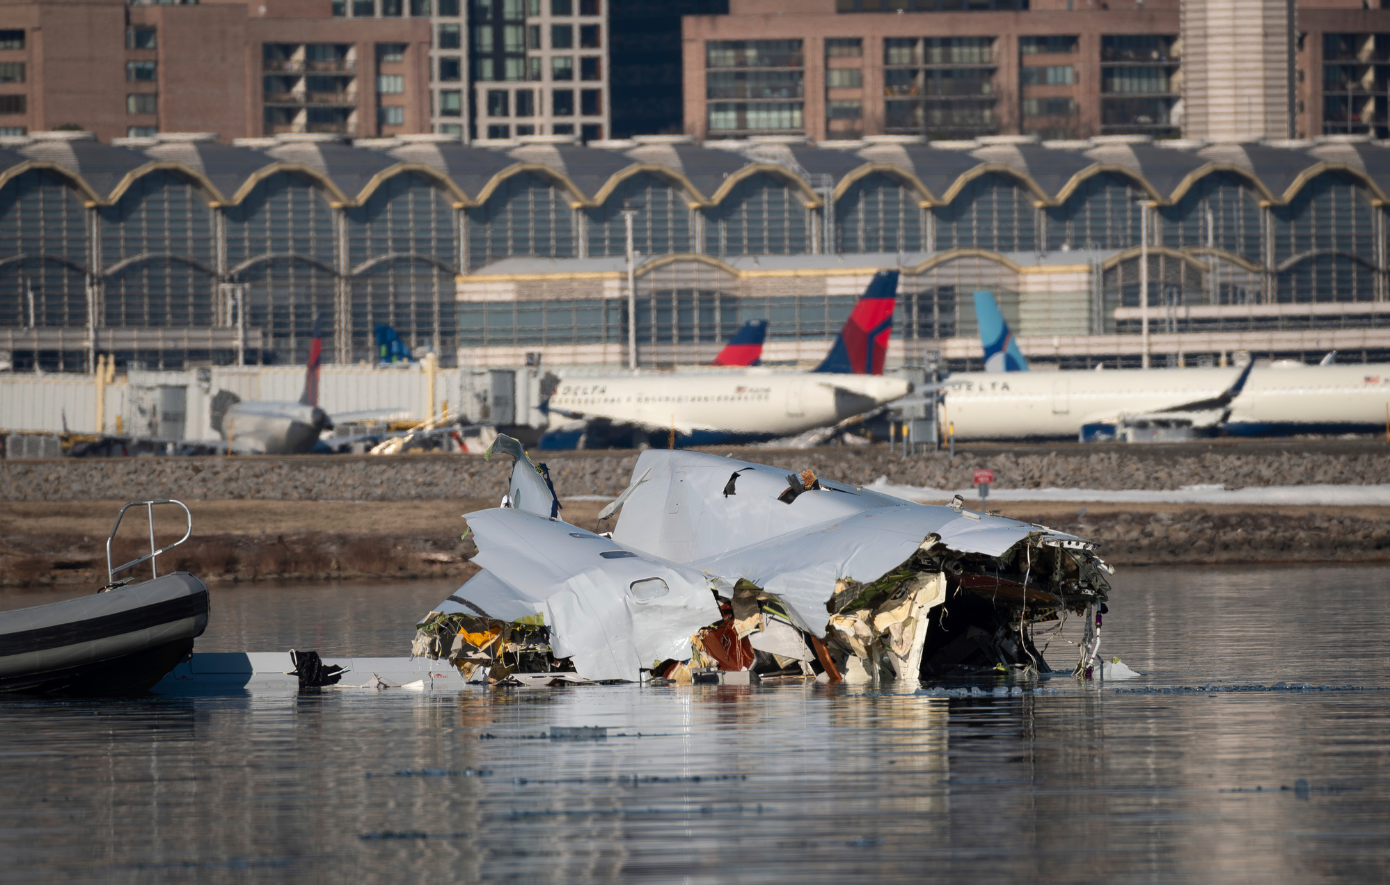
<point>716,564</point>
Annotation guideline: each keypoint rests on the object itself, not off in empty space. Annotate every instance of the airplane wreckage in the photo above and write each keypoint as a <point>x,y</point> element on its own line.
<point>727,571</point>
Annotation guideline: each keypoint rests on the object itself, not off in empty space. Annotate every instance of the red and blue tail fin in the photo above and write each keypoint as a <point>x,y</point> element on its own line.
<point>746,347</point>
<point>311,374</point>
<point>862,344</point>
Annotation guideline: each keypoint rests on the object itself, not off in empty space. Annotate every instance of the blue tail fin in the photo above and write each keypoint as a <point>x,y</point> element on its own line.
<point>1001,350</point>
<point>862,344</point>
<point>746,347</point>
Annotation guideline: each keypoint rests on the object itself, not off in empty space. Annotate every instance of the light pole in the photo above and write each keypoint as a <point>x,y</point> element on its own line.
<point>1144,206</point>
<point>628,214</point>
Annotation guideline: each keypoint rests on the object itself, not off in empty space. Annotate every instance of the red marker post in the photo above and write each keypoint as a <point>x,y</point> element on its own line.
<point>983,477</point>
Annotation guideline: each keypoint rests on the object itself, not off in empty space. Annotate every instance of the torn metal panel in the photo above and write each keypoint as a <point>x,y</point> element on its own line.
<point>529,488</point>
<point>609,609</point>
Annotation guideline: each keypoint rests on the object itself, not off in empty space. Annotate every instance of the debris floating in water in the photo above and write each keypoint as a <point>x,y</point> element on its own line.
<point>732,572</point>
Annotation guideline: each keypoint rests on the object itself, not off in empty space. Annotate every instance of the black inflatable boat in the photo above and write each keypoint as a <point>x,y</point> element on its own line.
<point>125,638</point>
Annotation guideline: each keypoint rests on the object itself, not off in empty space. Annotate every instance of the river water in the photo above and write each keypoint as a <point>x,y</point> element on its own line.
<point>772,783</point>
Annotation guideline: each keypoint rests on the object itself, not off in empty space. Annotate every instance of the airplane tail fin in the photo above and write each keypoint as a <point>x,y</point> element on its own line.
<point>1001,349</point>
<point>746,347</point>
<point>862,344</point>
<point>389,346</point>
<point>311,373</point>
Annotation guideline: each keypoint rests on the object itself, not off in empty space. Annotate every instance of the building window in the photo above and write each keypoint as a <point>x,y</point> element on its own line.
<point>591,102</point>
<point>140,38</point>
<point>450,129</point>
<point>514,69</point>
<point>562,102</point>
<point>741,116</point>
<point>562,7</point>
<point>499,132</point>
<point>391,116</point>
<point>11,131</point>
<point>1049,107</point>
<point>589,37</point>
<point>390,84</point>
<point>1054,75</point>
<point>843,110</point>
<point>753,54</point>
<point>844,78</point>
<point>363,8</point>
<point>590,7</point>
<point>140,71</point>
<point>450,70</point>
<point>339,9</point>
<point>562,129</point>
<point>533,37</point>
<point>753,84</point>
<point>562,36</point>
<point>141,132</point>
<point>1047,45</point>
<point>12,72</point>
<point>11,39</point>
<point>525,129</point>
<point>1136,81</point>
<point>497,103</point>
<point>451,103</point>
<point>420,8</point>
<point>525,103</point>
<point>591,68</point>
<point>533,69</point>
<point>391,8</point>
<point>929,5</point>
<point>844,47</point>
<point>450,37</point>
<point>12,104</point>
<point>562,68</point>
<point>591,132</point>
<point>390,52</point>
<point>449,8</point>
<point>142,103</point>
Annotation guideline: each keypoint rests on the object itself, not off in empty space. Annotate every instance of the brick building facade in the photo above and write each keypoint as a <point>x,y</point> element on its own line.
<point>238,69</point>
<point>959,69</point>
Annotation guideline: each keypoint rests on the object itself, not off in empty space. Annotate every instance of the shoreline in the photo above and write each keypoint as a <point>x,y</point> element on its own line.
<point>61,543</point>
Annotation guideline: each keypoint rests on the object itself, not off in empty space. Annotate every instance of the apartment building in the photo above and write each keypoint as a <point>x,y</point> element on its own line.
<point>1059,69</point>
<point>540,67</point>
<point>238,69</point>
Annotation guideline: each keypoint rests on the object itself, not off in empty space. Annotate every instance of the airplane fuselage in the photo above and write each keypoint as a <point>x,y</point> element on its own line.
<point>1274,400</point>
<point>270,428</point>
<point>721,406</point>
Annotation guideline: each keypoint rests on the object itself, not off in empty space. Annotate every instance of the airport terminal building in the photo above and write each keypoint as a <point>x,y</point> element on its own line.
<point>178,251</point>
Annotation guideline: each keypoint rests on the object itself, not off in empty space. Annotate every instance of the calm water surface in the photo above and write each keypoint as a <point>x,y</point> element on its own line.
<point>774,783</point>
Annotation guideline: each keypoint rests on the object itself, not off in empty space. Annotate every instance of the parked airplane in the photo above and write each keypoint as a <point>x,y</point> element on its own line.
<point>732,407</point>
<point>1276,400</point>
<point>272,428</point>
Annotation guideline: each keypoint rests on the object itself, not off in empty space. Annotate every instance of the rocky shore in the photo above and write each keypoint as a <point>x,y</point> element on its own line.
<point>425,477</point>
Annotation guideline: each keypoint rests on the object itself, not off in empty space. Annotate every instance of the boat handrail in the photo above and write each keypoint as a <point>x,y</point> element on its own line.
<point>149,510</point>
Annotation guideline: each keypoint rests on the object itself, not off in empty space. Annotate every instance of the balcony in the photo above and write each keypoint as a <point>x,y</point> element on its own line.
<point>339,128</point>
<point>320,99</point>
<point>315,66</point>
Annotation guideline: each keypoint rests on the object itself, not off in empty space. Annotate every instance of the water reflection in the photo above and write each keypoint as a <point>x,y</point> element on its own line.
<point>775,782</point>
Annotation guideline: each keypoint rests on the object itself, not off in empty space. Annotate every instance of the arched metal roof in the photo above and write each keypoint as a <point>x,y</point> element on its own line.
<point>707,173</point>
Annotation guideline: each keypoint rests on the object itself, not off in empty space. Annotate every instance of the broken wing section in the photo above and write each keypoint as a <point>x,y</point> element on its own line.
<point>608,609</point>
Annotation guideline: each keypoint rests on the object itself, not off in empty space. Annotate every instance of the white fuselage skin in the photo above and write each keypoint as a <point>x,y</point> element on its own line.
<point>751,402</point>
<point>1018,405</point>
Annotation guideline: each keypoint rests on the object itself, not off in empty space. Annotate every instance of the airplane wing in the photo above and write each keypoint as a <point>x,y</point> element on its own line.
<point>1220,401</point>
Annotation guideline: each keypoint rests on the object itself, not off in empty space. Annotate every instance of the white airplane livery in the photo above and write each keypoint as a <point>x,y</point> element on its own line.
<point>749,405</point>
<point>1275,400</point>
<point>1271,401</point>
